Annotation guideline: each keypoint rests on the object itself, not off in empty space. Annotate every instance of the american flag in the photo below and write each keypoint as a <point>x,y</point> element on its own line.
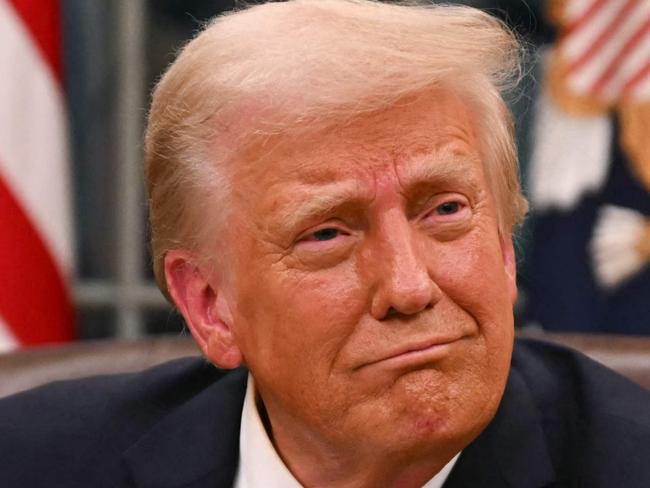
<point>605,49</point>
<point>589,173</point>
<point>35,195</point>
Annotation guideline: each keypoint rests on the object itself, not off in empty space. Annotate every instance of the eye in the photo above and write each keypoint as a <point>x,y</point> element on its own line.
<point>324,234</point>
<point>446,216</point>
<point>448,208</point>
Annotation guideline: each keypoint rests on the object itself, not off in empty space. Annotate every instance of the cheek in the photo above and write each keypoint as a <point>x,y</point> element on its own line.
<point>474,279</point>
<point>328,304</point>
<point>472,271</point>
<point>292,314</point>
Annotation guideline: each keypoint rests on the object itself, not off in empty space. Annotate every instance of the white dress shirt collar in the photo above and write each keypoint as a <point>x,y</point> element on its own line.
<point>260,465</point>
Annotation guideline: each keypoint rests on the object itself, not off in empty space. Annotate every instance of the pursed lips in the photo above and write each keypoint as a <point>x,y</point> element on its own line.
<point>421,351</point>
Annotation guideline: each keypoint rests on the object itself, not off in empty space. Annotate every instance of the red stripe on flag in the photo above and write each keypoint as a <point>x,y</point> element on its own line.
<point>584,18</point>
<point>604,36</point>
<point>35,304</point>
<point>636,79</point>
<point>43,20</point>
<point>621,56</point>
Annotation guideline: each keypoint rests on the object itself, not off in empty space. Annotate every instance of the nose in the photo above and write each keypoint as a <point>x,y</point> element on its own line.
<point>404,284</point>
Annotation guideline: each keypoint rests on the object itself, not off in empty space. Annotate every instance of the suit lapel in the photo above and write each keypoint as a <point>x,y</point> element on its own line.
<point>195,445</point>
<point>511,451</point>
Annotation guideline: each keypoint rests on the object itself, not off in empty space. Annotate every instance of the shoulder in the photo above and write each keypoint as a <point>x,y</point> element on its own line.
<point>66,403</point>
<point>590,414</point>
<point>559,375</point>
<point>74,426</point>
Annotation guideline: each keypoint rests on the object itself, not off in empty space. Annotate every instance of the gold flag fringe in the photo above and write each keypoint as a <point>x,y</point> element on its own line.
<point>635,139</point>
<point>569,101</point>
<point>555,11</point>
<point>644,244</point>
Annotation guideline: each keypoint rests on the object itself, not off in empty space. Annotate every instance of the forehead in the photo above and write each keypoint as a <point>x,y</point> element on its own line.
<point>417,138</point>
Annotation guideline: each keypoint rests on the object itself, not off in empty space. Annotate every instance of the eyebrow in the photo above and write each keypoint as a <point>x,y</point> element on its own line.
<point>322,200</point>
<point>325,200</point>
<point>438,169</point>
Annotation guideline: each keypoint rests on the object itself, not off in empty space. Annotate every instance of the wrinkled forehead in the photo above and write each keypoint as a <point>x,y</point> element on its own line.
<point>429,128</point>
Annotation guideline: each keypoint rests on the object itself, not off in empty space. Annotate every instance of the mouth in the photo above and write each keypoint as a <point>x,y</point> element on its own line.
<point>416,354</point>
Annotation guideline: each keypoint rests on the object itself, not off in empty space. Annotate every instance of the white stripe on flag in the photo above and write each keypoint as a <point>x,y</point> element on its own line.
<point>33,144</point>
<point>584,78</point>
<point>641,92</point>
<point>628,68</point>
<point>7,340</point>
<point>583,38</point>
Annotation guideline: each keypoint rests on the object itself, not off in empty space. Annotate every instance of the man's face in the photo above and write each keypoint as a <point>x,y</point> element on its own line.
<point>370,290</point>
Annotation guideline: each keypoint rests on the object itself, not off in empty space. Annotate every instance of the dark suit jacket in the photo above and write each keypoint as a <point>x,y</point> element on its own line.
<point>564,421</point>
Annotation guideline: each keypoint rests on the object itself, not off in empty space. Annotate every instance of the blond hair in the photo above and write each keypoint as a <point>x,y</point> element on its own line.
<point>300,65</point>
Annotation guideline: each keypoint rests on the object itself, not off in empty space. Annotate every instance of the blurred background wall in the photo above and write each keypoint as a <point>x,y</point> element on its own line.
<point>584,180</point>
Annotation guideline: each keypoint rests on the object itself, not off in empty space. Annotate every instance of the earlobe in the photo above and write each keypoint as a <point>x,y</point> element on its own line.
<point>203,306</point>
<point>510,265</point>
<point>223,351</point>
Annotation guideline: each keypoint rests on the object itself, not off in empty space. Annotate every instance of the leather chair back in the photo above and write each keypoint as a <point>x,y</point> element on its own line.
<point>28,368</point>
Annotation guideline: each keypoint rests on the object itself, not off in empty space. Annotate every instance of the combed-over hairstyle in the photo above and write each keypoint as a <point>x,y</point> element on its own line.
<point>288,67</point>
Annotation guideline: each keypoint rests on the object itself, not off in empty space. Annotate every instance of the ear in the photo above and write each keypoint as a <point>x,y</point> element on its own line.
<point>510,265</point>
<point>203,306</point>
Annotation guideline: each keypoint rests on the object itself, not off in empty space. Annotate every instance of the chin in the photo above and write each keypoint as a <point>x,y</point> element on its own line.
<point>436,413</point>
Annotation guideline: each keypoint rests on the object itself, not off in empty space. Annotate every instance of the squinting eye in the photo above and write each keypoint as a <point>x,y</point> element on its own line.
<point>448,208</point>
<point>325,234</point>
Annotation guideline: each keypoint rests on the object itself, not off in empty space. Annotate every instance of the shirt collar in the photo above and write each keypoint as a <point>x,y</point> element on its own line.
<point>261,466</point>
<point>438,480</point>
